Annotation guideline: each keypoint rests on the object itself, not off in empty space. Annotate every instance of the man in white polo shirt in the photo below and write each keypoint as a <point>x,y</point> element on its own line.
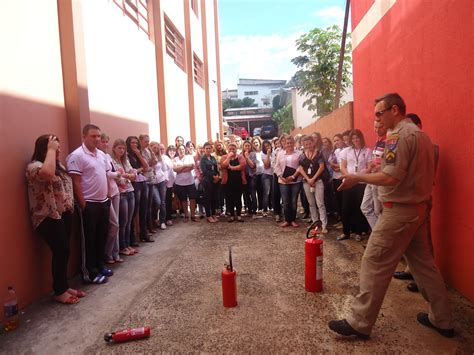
<point>88,167</point>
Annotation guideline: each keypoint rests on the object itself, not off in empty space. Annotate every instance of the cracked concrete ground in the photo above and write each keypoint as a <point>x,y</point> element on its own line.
<point>174,287</point>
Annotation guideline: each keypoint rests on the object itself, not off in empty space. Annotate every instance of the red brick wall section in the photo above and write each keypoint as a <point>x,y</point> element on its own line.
<point>337,121</point>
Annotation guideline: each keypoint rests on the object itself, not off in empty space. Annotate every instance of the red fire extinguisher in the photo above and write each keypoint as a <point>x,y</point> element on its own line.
<point>313,259</point>
<point>127,335</point>
<point>229,284</point>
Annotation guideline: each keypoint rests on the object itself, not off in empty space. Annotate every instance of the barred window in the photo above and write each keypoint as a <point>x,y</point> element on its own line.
<point>250,93</point>
<point>198,70</point>
<point>137,11</point>
<point>174,44</point>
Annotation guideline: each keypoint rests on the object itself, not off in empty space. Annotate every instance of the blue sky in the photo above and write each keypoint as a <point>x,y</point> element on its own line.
<point>258,36</point>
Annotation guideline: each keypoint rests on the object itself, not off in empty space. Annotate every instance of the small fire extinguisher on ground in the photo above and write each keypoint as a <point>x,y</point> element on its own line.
<point>229,284</point>
<point>313,259</point>
<point>127,335</point>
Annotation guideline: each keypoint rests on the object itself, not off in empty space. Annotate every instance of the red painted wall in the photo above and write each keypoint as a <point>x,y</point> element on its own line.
<point>424,51</point>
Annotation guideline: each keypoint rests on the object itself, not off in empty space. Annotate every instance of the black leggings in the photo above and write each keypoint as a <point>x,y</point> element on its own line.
<point>56,233</point>
<point>234,198</point>
<point>210,197</point>
<point>352,218</point>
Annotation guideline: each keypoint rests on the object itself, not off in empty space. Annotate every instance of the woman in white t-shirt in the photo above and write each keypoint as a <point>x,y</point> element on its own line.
<point>354,160</point>
<point>161,178</point>
<point>184,165</point>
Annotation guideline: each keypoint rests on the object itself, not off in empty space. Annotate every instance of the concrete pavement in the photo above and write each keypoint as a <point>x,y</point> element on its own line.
<point>173,286</point>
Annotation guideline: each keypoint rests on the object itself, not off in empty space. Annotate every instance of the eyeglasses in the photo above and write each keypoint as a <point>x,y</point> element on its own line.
<point>378,114</point>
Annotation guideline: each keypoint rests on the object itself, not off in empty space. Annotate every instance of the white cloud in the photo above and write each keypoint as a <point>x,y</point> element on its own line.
<point>333,14</point>
<point>263,57</point>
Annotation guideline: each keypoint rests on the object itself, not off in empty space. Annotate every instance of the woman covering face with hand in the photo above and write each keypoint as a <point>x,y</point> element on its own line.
<point>51,203</point>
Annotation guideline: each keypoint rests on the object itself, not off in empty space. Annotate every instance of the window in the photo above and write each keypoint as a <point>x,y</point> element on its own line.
<point>250,93</point>
<point>198,70</point>
<point>194,6</point>
<point>137,11</point>
<point>174,43</point>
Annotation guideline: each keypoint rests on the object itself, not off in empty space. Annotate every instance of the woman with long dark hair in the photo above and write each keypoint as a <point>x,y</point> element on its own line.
<point>140,189</point>
<point>51,202</point>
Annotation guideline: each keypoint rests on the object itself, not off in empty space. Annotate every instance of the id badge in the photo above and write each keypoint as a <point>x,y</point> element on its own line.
<point>356,168</point>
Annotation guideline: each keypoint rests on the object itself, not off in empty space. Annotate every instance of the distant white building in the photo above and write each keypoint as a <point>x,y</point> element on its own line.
<point>261,90</point>
<point>229,94</point>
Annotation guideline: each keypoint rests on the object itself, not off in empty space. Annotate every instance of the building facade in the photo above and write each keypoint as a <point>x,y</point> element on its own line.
<point>423,50</point>
<point>261,90</point>
<point>128,66</point>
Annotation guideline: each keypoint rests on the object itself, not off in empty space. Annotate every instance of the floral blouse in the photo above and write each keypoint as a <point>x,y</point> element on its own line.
<point>48,198</point>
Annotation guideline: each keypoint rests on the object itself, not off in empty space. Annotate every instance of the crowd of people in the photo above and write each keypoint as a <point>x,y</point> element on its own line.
<point>126,190</point>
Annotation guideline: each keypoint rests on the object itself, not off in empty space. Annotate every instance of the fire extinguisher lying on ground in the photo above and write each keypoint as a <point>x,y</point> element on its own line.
<point>229,284</point>
<point>127,335</point>
<point>313,259</point>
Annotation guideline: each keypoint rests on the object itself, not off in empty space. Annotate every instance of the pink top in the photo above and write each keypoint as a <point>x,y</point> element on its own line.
<point>283,159</point>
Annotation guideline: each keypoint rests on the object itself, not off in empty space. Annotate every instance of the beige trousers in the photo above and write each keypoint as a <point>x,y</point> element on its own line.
<point>402,229</point>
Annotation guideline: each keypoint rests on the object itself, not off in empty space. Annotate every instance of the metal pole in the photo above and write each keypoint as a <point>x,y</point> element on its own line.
<point>341,57</point>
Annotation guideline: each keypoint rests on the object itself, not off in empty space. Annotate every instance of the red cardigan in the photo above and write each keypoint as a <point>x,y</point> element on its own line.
<point>225,172</point>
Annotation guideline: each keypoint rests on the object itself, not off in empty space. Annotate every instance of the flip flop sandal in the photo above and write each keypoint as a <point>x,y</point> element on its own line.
<point>77,293</point>
<point>70,300</point>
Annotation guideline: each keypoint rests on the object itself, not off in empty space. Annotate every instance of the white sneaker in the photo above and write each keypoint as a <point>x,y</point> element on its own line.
<point>169,223</point>
<point>163,226</point>
<point>277,218</point>
<point>256,216</point>
<point>358,238</point>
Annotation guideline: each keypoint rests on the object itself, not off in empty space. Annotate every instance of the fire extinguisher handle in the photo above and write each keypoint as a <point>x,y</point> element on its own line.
<point>317,224</point>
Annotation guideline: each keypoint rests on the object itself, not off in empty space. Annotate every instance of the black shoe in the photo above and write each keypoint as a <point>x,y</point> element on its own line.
<point>402,275</point>
<point>423,319</point>
<point>412,287</point>
<point>344,328</point>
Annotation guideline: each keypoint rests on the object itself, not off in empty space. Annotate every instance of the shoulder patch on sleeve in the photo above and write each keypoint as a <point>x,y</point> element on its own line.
<point>391,149</point>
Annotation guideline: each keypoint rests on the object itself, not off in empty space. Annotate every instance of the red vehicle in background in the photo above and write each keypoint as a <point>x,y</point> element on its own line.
<point>241,132</point>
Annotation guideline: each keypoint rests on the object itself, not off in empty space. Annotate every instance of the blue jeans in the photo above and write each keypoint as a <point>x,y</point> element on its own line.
<point>276,195</point>
<point>127,206</point>
<point>266,187</point>
<point>289,195</point>
<point>159,202</point>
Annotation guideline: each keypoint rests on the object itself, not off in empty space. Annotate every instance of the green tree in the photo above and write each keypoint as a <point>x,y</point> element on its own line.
<point>248,102</point>
<point>276,103</point>
<point>245,102</point>
<point>284,118</point>
<point>317,67</point>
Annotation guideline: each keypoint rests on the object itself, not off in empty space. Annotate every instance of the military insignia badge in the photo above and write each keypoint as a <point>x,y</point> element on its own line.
<point>391,149</point>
